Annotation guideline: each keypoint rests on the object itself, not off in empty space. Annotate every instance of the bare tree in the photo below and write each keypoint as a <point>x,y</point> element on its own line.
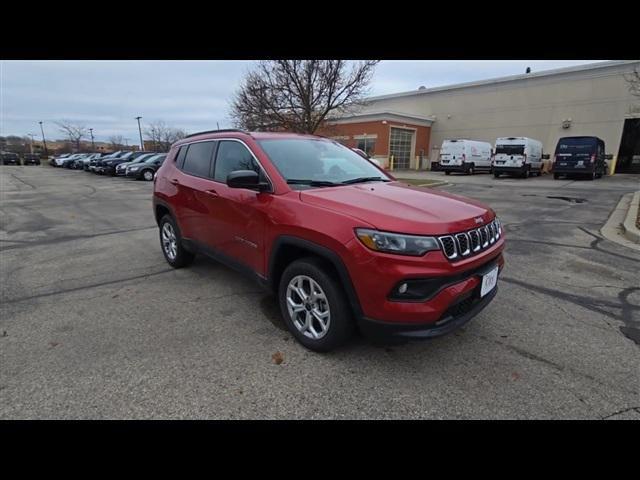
<point>162,136</point>
<point>116,141</point>
<point>74,132</point>
<point>299,95</point>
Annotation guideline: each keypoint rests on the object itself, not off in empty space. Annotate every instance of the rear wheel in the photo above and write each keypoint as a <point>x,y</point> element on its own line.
<point>471,169</point>
<point>314,306</point>
<point>496,174</point>
<point>556,176</point>
<point>171,242</point>
<point>526,172</point>
<point>447,173</point>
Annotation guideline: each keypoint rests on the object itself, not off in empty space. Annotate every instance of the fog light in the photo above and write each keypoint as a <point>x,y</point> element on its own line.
<point>402,288</point>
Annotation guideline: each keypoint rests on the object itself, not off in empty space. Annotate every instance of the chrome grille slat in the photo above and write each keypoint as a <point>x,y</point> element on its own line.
<point>470,242</point>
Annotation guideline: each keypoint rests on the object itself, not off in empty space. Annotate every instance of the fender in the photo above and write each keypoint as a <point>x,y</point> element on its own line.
<point>283,241</point>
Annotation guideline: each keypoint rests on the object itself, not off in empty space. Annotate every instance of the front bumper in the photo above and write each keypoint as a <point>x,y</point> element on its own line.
<point>132,174</point>
<point>453,281</point>
<point>460,313</point>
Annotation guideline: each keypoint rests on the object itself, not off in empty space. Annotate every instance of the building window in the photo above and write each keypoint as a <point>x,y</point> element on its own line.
<point>367,145</point>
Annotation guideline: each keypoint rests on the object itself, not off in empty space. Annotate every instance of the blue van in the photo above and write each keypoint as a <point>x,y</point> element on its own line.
<point>579,156</point>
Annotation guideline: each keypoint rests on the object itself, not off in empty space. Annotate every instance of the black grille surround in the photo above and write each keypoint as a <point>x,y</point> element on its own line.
<point>468,243</point>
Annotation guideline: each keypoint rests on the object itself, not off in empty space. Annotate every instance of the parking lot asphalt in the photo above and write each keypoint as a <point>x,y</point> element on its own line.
<point>95,324</point>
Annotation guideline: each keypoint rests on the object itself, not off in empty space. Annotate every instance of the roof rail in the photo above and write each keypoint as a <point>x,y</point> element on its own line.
<point>218,131</point>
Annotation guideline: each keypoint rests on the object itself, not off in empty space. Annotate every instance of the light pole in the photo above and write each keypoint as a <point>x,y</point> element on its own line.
<point>93,145</point>
<point>31,144</point>
<point>46,154</point>
<point>140,131</point>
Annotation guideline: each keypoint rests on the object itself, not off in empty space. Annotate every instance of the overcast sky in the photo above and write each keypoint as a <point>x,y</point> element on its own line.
<point>193,95</point>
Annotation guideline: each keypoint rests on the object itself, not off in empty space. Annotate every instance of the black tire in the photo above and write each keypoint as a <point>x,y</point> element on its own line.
<point>526,172</point>
<point>182,257</point>
<point>471,169</point>
<point>341,325</point>
<point>447,173</point>
<point>496,174</point>
<point>556,176</point>
<point>143,174</point>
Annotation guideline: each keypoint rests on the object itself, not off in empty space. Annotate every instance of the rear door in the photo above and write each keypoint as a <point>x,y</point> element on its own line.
<point>194,196</point>
<point>575,153</point>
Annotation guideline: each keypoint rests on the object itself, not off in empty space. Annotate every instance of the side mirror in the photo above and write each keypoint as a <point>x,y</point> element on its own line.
<point>245,179</point>
<point>546,156</point>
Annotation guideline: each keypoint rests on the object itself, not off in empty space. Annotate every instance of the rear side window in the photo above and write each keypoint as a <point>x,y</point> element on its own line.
<point>181,154</point>
<point>233,156</point>
<point>197,161</point>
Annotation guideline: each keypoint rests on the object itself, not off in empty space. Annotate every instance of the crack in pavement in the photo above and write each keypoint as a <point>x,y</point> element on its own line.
<point>85,287</point>
<point>70,238</point>
<point>620,412</point>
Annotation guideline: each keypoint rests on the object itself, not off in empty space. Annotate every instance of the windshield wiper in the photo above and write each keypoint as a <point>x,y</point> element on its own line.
<point>364,179</point>
<point>313,183</point>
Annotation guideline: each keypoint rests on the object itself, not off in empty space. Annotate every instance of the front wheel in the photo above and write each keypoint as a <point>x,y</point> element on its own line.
<point>147,175</point>
<point>171,242</point>
<point>314,306</point>
<point>447,173</point>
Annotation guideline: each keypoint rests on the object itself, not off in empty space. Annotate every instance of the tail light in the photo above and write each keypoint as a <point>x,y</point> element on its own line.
<point>593,158</point>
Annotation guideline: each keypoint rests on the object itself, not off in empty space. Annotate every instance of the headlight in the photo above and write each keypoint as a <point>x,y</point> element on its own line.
<point>132,169</point>
<point>396,243</point>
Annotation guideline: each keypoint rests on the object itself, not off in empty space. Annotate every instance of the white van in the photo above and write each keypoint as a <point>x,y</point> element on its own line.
<point>464,156</point>
<point>517,155</point>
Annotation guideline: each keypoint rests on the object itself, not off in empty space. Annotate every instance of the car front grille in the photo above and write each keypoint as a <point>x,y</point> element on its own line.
<point>470,242</point>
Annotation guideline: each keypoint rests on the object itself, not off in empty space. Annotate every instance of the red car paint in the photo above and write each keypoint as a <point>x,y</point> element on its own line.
<point>244,225</point>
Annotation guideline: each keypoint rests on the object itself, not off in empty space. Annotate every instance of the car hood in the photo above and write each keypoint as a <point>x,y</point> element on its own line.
<point>398,207</point>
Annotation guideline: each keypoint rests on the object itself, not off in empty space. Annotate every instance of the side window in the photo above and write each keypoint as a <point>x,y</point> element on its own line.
<point>233,156</point>
<point>180,157</point>
<point>197,161</point>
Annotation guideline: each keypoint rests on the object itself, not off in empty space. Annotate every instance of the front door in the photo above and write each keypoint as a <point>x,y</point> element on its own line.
<point>238,231</point>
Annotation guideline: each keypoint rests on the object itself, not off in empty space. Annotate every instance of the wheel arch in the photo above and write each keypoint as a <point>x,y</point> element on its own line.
<point>286,249</point>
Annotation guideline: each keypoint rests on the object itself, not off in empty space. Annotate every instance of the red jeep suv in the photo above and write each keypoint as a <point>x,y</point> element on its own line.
<point>339,241</point>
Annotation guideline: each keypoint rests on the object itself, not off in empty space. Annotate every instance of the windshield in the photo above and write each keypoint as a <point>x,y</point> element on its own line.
<point>510,149</point>
<point>126,155</point>
<point>319,161</point>
<point>142,158</point>
<point>576,146</point>
<point>160,157</point>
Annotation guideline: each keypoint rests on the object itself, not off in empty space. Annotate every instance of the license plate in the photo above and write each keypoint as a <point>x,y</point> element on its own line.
<point>581,163</point>
<point>489,282</point>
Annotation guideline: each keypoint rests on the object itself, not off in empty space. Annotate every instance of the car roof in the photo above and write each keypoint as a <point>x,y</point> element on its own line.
<point>233,133</point>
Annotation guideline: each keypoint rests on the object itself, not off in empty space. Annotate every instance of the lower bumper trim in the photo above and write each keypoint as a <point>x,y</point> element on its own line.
<point>381,330</point>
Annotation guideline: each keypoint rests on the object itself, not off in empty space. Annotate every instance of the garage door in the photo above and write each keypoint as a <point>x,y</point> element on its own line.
<point>400,146</point>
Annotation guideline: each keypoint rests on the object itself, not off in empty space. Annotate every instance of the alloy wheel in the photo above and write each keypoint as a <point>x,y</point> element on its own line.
<point>169,241</point>
<point>308,307</point>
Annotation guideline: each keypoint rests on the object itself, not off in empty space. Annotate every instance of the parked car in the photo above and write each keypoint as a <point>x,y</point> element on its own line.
<point>580,156</point>
<point>146,170</point>
<point>54,158</point>
<point>121,169</point>
<point>465,156</point>
<point>108,166</point>
<point>70,162</point>
<point>337,239</point>
<point>521,156</point>
<point>83,163</point>
<point>31,159</point>
<point>63,160</point>
<point>96,163</point>
<point>10,158</point>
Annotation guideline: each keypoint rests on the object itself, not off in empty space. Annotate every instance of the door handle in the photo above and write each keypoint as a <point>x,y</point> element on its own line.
<point>174,181</point>
<point>211,193</point>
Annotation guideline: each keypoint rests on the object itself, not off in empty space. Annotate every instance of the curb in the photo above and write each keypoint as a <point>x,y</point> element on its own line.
<point>629,229</point>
